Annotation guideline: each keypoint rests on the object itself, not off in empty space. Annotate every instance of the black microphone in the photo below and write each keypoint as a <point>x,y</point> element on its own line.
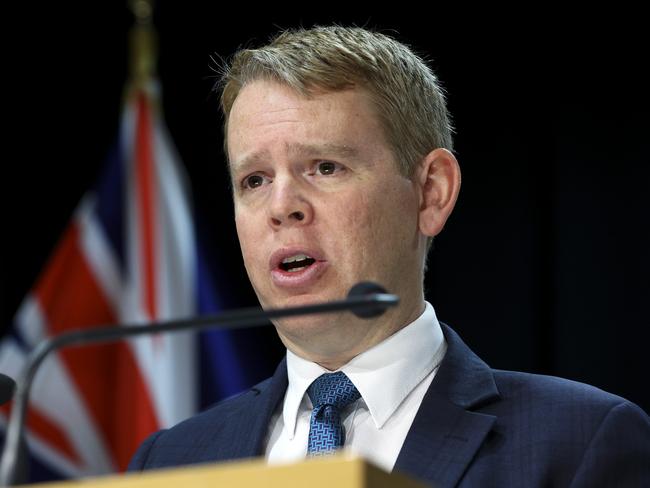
<point>365,288</point>
<point>364,300</point>
<point>7,386</point>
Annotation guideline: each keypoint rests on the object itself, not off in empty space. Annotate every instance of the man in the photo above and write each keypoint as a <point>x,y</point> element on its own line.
<point>339,147</point>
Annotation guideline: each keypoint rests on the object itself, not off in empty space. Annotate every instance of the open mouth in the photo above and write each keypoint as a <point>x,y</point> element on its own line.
<point>293,264</point>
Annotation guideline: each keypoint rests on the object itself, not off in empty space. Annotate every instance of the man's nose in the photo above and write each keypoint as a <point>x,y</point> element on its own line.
<point>289,206</point>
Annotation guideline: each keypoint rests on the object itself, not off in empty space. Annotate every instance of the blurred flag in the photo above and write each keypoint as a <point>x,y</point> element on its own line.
<point>128,255</point>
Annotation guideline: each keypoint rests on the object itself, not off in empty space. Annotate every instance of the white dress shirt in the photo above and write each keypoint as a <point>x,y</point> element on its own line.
<point>392,377</point>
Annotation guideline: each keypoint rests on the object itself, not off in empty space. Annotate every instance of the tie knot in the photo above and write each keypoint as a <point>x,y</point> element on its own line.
<point>334,389</point>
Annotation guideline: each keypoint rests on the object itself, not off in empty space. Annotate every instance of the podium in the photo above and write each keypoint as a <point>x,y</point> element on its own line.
<point>338,471</point>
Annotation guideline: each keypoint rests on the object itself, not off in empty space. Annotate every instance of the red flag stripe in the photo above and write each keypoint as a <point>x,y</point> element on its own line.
<point>48,432</point>
<point>77,304</point>
<point>132,414</point>
<point>106,376</point>
<point>145,191</point>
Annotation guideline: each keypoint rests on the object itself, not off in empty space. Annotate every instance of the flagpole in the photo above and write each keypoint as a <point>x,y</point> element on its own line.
<point>143,43</point>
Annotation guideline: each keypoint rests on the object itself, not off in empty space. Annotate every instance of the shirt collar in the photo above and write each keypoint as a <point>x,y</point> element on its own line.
<point>384,374</point>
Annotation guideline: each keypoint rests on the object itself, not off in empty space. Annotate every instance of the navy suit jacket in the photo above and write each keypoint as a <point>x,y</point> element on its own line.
<point>476,427</point>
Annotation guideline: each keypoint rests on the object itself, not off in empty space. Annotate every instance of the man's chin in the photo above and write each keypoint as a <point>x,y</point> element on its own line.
<point>309,327</point>
<point>299,300</point>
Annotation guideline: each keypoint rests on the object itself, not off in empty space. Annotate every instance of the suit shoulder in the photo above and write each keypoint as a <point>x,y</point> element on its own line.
<point>227,430</point>
<point>512,383</point>
<point>578,434</point>
<point>233,405</point>
<point>217,415</point>
<point>559,398</point>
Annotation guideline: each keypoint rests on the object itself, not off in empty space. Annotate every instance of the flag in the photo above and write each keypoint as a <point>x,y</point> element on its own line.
<point>129,255</point>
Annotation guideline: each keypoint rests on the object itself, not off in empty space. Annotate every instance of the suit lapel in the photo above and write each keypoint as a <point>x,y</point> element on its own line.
<point>247,433</point>
<point>446,434</point>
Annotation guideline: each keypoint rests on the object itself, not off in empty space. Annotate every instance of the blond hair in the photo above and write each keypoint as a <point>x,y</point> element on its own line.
<point>407,95</point>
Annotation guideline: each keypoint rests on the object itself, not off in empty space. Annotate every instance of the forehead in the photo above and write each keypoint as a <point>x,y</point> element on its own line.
<point>269,115</point>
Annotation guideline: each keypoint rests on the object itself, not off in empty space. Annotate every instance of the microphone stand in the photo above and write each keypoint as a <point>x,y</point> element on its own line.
<point>365,305</point>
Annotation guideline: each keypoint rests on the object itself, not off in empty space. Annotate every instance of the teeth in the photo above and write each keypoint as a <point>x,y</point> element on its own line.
<point>297,257</point>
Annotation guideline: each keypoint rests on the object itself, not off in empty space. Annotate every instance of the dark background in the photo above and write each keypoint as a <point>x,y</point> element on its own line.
<point>544,266</point>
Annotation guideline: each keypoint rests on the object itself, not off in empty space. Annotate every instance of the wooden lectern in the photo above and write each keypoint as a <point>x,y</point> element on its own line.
<point>339,471</point>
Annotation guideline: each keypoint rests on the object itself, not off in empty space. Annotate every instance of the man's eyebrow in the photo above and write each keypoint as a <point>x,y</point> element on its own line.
<point>248,160</point>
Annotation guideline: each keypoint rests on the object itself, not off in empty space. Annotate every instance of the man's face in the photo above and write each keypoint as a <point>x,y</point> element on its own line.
<point>320,205</point>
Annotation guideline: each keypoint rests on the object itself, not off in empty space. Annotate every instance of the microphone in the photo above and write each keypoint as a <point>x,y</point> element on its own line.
<point>365,300</point>
<point>365,288</point>
<point>7,386</point>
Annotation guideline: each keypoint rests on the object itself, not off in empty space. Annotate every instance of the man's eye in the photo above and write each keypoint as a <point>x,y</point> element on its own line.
<point>253,181</point>
<point>327,168</point>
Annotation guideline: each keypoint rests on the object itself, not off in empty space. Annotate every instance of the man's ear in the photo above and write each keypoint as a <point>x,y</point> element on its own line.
<point>439,183</point>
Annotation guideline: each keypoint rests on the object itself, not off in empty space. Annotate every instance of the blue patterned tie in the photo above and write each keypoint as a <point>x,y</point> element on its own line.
<point>329,393</point>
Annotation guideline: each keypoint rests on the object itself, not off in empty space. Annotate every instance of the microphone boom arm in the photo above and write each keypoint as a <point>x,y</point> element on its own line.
<point>236,319</point>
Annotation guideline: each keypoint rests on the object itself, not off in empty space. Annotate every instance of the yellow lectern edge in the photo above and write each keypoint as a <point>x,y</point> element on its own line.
<point>341,471</point>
